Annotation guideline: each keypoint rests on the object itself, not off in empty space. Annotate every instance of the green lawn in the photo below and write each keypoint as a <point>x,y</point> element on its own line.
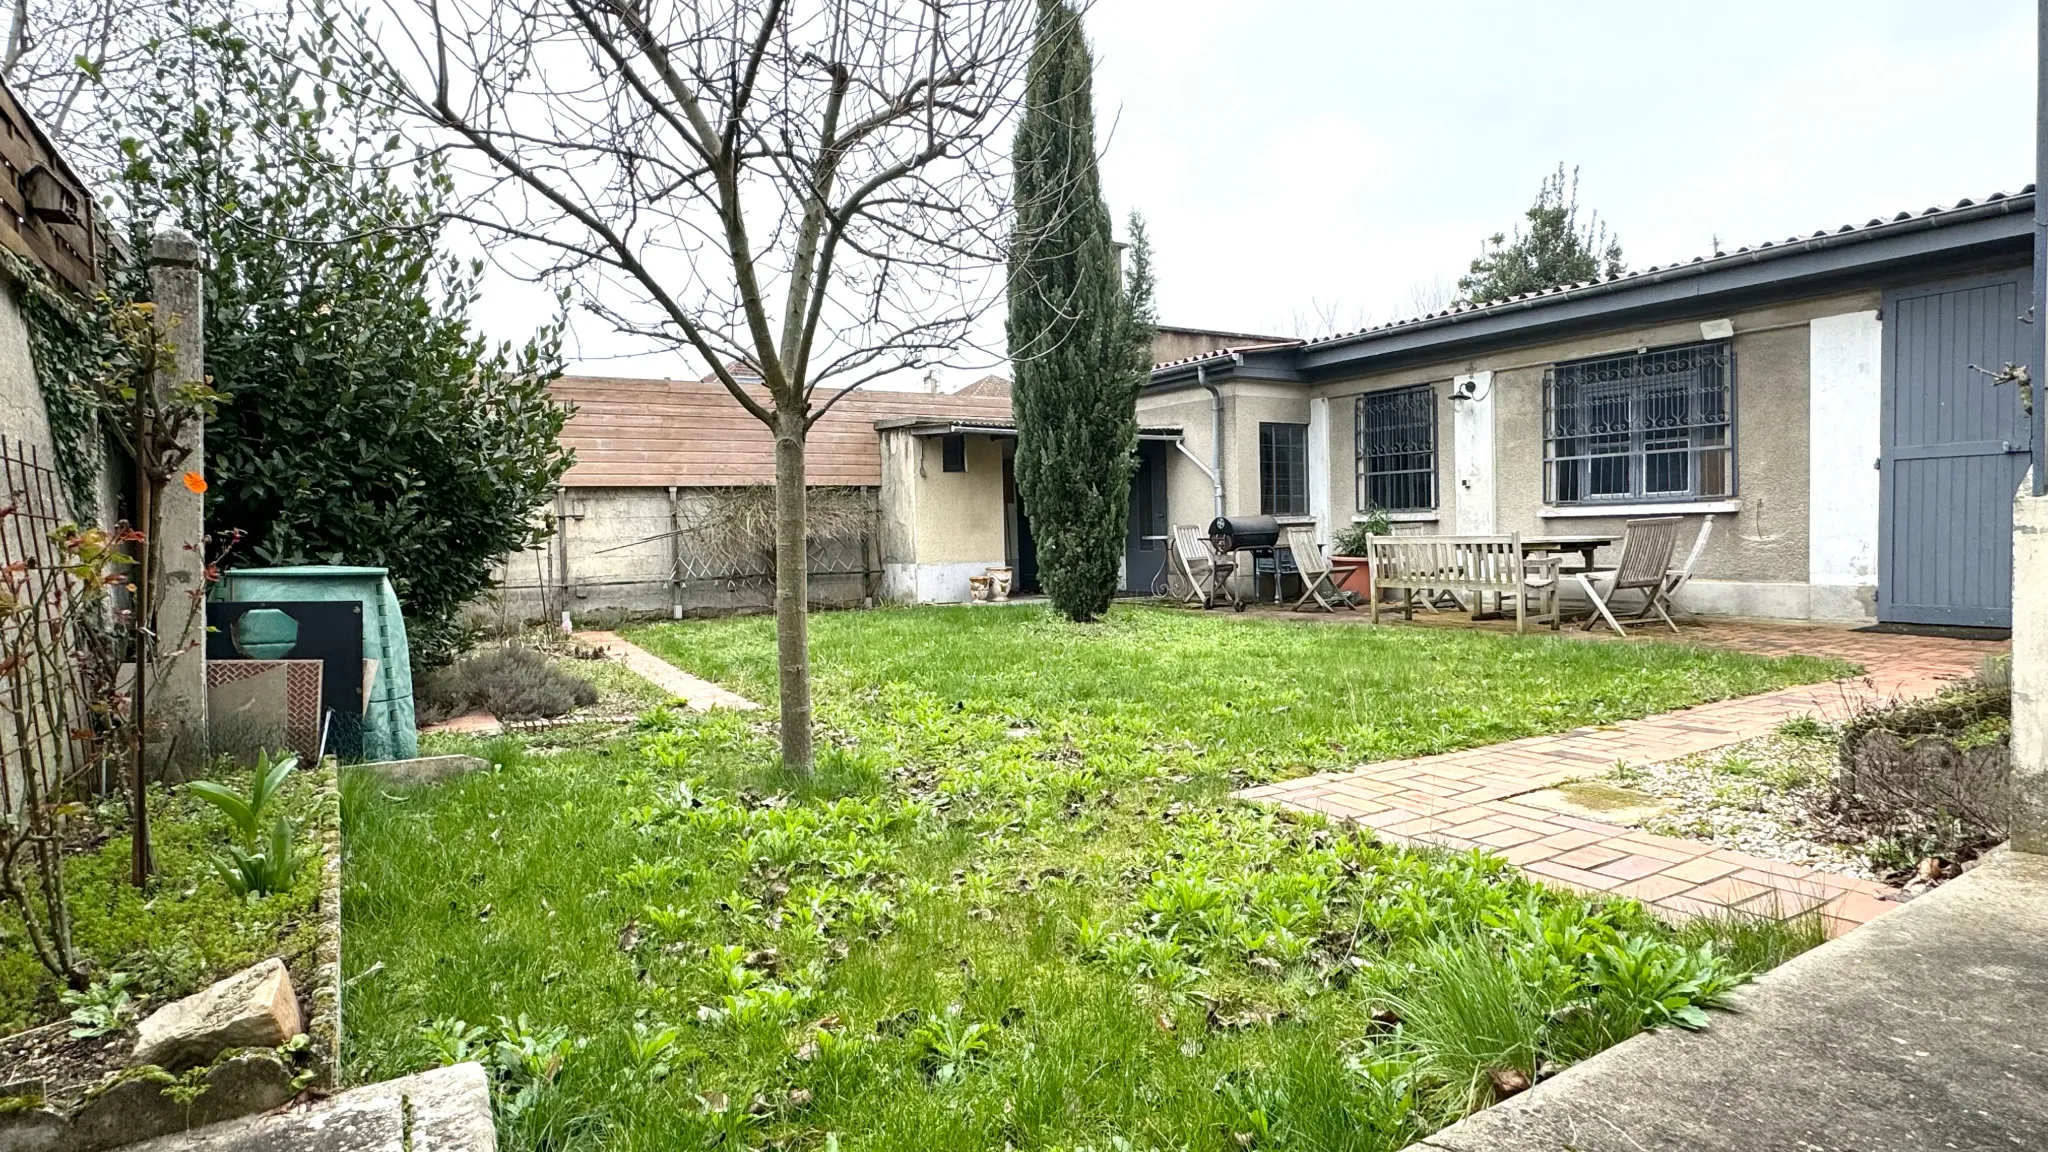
<point>1015,907</point>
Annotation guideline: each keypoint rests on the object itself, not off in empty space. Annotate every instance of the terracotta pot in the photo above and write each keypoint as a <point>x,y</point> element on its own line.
<point>1359,581</point>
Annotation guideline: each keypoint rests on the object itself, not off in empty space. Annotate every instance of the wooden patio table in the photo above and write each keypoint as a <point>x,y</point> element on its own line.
<point>1583,544</point>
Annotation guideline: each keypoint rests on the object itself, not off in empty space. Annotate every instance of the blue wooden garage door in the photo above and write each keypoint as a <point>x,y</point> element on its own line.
<point>1955,449</point>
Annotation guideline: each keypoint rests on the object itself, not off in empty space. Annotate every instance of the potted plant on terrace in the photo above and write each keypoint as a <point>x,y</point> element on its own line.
<point>1347,548</point>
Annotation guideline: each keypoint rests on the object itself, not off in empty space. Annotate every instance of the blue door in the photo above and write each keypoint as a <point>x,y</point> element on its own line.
<point>1954,451</point>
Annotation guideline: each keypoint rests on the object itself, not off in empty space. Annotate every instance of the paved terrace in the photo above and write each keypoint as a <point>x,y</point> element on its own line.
<point>1468,799</point>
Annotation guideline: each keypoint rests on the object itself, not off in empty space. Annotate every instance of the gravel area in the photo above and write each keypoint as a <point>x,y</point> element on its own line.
<point>1760,796</point>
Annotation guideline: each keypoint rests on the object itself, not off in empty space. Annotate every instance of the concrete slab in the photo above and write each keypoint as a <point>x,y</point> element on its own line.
<point>1920,1030</point>
<point>443,1110</point>
<point>699,694</point>
<point>424,769</point>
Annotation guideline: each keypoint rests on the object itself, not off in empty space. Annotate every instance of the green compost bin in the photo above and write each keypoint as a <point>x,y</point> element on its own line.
<point>389,732</point>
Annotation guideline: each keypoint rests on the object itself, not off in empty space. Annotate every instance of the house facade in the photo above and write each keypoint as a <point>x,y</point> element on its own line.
<point>1829,399</point>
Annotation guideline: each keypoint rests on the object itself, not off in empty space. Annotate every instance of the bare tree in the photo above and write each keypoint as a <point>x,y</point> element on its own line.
<point>1323,319</point>
<point>813,194</point>
<point>1427,297</point>
<point>72,62</point>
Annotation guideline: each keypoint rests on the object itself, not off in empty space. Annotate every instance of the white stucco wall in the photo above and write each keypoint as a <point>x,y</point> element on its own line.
<point>939,528</point>
<point>1472,450</point>
<point>2030,670</point>
<point>1319,467</point>
<point>1846,354</point>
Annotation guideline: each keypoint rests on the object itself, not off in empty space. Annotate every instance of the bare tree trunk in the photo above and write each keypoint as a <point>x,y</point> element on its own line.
<point>792,592</point>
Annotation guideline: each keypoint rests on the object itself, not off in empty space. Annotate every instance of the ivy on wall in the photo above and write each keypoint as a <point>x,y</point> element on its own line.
<point>66,343</point>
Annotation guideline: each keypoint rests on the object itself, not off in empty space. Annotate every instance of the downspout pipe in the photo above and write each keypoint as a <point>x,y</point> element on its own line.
<point>1216,426</point>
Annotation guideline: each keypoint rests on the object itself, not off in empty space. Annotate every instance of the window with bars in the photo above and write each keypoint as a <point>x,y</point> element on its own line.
<point>1283,469</point>
<point>1647,426</point>
<point>1397,450</point>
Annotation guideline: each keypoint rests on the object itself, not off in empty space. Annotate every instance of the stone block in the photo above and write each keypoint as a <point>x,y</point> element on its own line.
<point>442,1110</point>
<point>254,1008</point>
<point>146,1103</point>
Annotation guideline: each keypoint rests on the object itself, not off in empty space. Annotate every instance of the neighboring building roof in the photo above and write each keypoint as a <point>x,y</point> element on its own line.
<point>1895,250</point>
<point>1235,337</point>
<point>1171,344</point>
<point>996,386</point>
<point>653,433</point>
<point>946,426</point>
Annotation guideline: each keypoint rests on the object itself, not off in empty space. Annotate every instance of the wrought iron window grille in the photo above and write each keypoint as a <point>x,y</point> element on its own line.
<point>1657,425</point>
<point>1396,450</point>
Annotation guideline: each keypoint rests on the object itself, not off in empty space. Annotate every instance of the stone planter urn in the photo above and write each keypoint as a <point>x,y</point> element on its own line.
<point>999,582</point>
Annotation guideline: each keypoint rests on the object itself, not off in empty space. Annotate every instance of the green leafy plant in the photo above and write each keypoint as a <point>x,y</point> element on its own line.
<point>103,1007</point>
<point>246,812</point>
<point>1351,540</point>
<point>650,1048</point>
<point>268,858</point>
<point>455,1041</point>
<point>1651,983</point>
<point>268,871</point>
<point>950,1043</point>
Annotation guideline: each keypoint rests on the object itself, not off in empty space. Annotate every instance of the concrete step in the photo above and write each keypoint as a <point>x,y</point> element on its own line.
<point>444,1110</point>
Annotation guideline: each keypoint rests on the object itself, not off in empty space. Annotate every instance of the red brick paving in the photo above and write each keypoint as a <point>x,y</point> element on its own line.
<point>1465,799</point>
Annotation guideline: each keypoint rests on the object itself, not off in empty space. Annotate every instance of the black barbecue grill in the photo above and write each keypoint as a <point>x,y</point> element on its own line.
<point>1258,535</point>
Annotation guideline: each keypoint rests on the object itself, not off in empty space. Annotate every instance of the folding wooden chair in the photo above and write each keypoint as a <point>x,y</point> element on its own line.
<point>1194,564</point>
<point>1679,577</point>
<point>1643,567</point>
<point>1319,577</point>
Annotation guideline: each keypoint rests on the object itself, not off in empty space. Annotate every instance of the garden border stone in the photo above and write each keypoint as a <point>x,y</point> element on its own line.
<point>424,769</point>
<point>323,1019</point>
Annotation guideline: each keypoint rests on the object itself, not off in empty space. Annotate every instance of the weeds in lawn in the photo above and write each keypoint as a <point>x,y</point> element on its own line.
<point>1756,941</point>
<point>1013,907</point>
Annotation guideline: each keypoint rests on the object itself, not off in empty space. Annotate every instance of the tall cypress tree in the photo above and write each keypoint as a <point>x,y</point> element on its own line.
<point>1079,341</point>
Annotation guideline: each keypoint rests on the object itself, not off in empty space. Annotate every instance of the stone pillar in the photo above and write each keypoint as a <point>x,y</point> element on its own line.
<point>2030,671</point>
<point>178,695</point>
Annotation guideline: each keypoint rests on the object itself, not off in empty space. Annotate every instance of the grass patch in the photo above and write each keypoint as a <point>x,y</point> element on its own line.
<point>184,931</point>
<point>1014,906</point>
<point>1274,698</point>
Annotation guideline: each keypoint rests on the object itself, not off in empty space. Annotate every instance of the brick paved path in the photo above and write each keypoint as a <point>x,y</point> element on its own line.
<point>1467,799</point>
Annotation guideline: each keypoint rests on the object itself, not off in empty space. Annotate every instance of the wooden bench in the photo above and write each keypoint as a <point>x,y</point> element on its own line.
<point>1475,564</point>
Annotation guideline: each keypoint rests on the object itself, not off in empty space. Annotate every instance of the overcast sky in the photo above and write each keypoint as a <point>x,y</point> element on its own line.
<point>1297,158</point>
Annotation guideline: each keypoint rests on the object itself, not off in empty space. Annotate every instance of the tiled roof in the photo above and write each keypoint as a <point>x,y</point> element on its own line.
<point>631,433</point>
<point>987,386</point>
<point>1565,290</point>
